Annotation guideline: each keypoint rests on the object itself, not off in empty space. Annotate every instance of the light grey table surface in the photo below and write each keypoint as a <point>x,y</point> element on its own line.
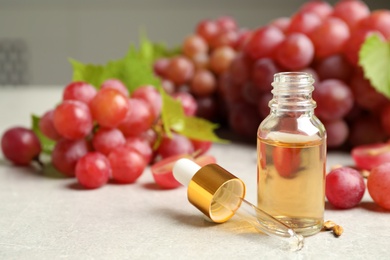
<point>48,217</point>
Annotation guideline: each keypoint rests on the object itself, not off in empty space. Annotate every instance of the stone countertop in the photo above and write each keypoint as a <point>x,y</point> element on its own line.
<point>46,216</point>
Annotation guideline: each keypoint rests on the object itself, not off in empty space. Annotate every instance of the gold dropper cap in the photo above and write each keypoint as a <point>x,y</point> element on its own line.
<point>212,184</point>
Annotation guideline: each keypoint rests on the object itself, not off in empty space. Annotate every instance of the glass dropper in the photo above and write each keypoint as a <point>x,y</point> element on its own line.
<point>220,195</point>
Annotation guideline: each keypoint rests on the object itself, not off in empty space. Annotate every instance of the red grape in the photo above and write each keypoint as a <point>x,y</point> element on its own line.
<point>127,164</point>
<point>187,101</point>
<point>193,45</point>
<point>334,99</point>
<point>160,67</point>
<point>330,37</point>
<point>334,67</point>
<point>263,104</point>
<point>304,22</point>
<point>226,23</point>
<point>244,120</point>
<point>385,119</point>
<point>20,145</point>
<point>80,91</point>
<point>368,156</point>
<point>224,38</point>
<point>344,187</point>
<point>106,139</point>
<point>351,11</point>
<point>72,119</point>
<point>281,23</point>
<point>378,20</point>
<point>151,96</point>
<point>115,84</point>
<point>337,132</point>
<point>250,93</point>
<point>142,146</point>
<point>207,107</point>
<point>177,144</point>
<point>46,125</point>
<point>286,160</point>
<point>378,185</point>
<point>263,72</point>
<point>201,146</point>
<point>264,42</point>
<point>180,70</point>
<point>221,58</point>
<point>109,107</point>
<point>66,153</point>
<point>93,170</point>
<point>138,119</point>
<point>203,83</point>
<point>239,70</point>
<point>295,52</point>
<point>320,8</point>
<point>207,29</point>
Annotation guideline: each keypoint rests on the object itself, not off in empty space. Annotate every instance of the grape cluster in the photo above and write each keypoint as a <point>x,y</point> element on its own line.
<point>230,70</point>
<point>102,134</point>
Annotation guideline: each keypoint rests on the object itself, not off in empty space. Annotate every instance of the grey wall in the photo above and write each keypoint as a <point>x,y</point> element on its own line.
<point>97,31</point>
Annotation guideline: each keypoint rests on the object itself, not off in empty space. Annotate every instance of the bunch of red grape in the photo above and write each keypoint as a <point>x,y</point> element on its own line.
<point>102,134</point>
<point>232,69</point>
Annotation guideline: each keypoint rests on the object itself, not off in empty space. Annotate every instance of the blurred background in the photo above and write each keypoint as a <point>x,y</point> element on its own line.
<point>37,37</point>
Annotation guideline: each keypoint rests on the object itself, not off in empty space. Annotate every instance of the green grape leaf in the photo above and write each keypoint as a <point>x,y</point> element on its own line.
<point>374,57</point>
<point>200,129</point>
<point>47,144</point>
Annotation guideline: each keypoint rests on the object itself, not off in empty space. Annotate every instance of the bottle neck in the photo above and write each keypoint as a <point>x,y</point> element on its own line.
<point>292,93</point>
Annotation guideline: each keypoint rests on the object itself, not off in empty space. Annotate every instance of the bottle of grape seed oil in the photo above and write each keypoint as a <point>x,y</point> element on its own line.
<point>291,151</point>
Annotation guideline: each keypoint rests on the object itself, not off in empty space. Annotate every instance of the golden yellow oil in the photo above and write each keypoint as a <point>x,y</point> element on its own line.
<point>291,182</point>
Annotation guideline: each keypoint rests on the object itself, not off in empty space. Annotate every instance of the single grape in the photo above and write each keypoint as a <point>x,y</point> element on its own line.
<point>351,11</point>
<point>334,99</point>
<point>369,156</point>
<point>66,153</point>
<point>46,125</point>
<point>378,185</point>
<point>72,119</point>
<point>221,59</point>
<point>334,67</point>
<point>201,61</point>
<point>239,69</point>
<point>106,139</point>
<point>336,132</point>
<point>321,8</point>
<point>93,170</point>
<point>243,37</point>
<point>286,161</point>
<point>203,83</point>
<point>139,119</point>
<point>177,144</point>
<point>263,104</point>
<point>295,52</point>
<point>80,91</point>
<point>127,164</point>
<point>224,38</point>
<point>250,93</point>
<point>330,37</point>
<point>344,187</point>
<point>264,42</point>
<point>304,22</point>
<point>141,145</point>
<point>115,84</point>
<point>263,72</point>
<point>187,101</point>
<point>226,23</point>
<point>207,29</point>
<point>168,86</point>
<point>193,45</point>
<point>109,107</point>
<point>229,90</point>
<point>160,67</point>
<point>20,145</point>
<point>151,96</point>
<point>180,70</point>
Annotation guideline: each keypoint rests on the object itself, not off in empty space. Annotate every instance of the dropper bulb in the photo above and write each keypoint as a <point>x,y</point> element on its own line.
<point>184,169</point>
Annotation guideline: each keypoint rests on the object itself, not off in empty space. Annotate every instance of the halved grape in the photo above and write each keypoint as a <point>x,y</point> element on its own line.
<point>369,156</point>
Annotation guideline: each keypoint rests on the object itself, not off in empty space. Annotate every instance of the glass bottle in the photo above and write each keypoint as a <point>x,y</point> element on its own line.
<point>291,150</point>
